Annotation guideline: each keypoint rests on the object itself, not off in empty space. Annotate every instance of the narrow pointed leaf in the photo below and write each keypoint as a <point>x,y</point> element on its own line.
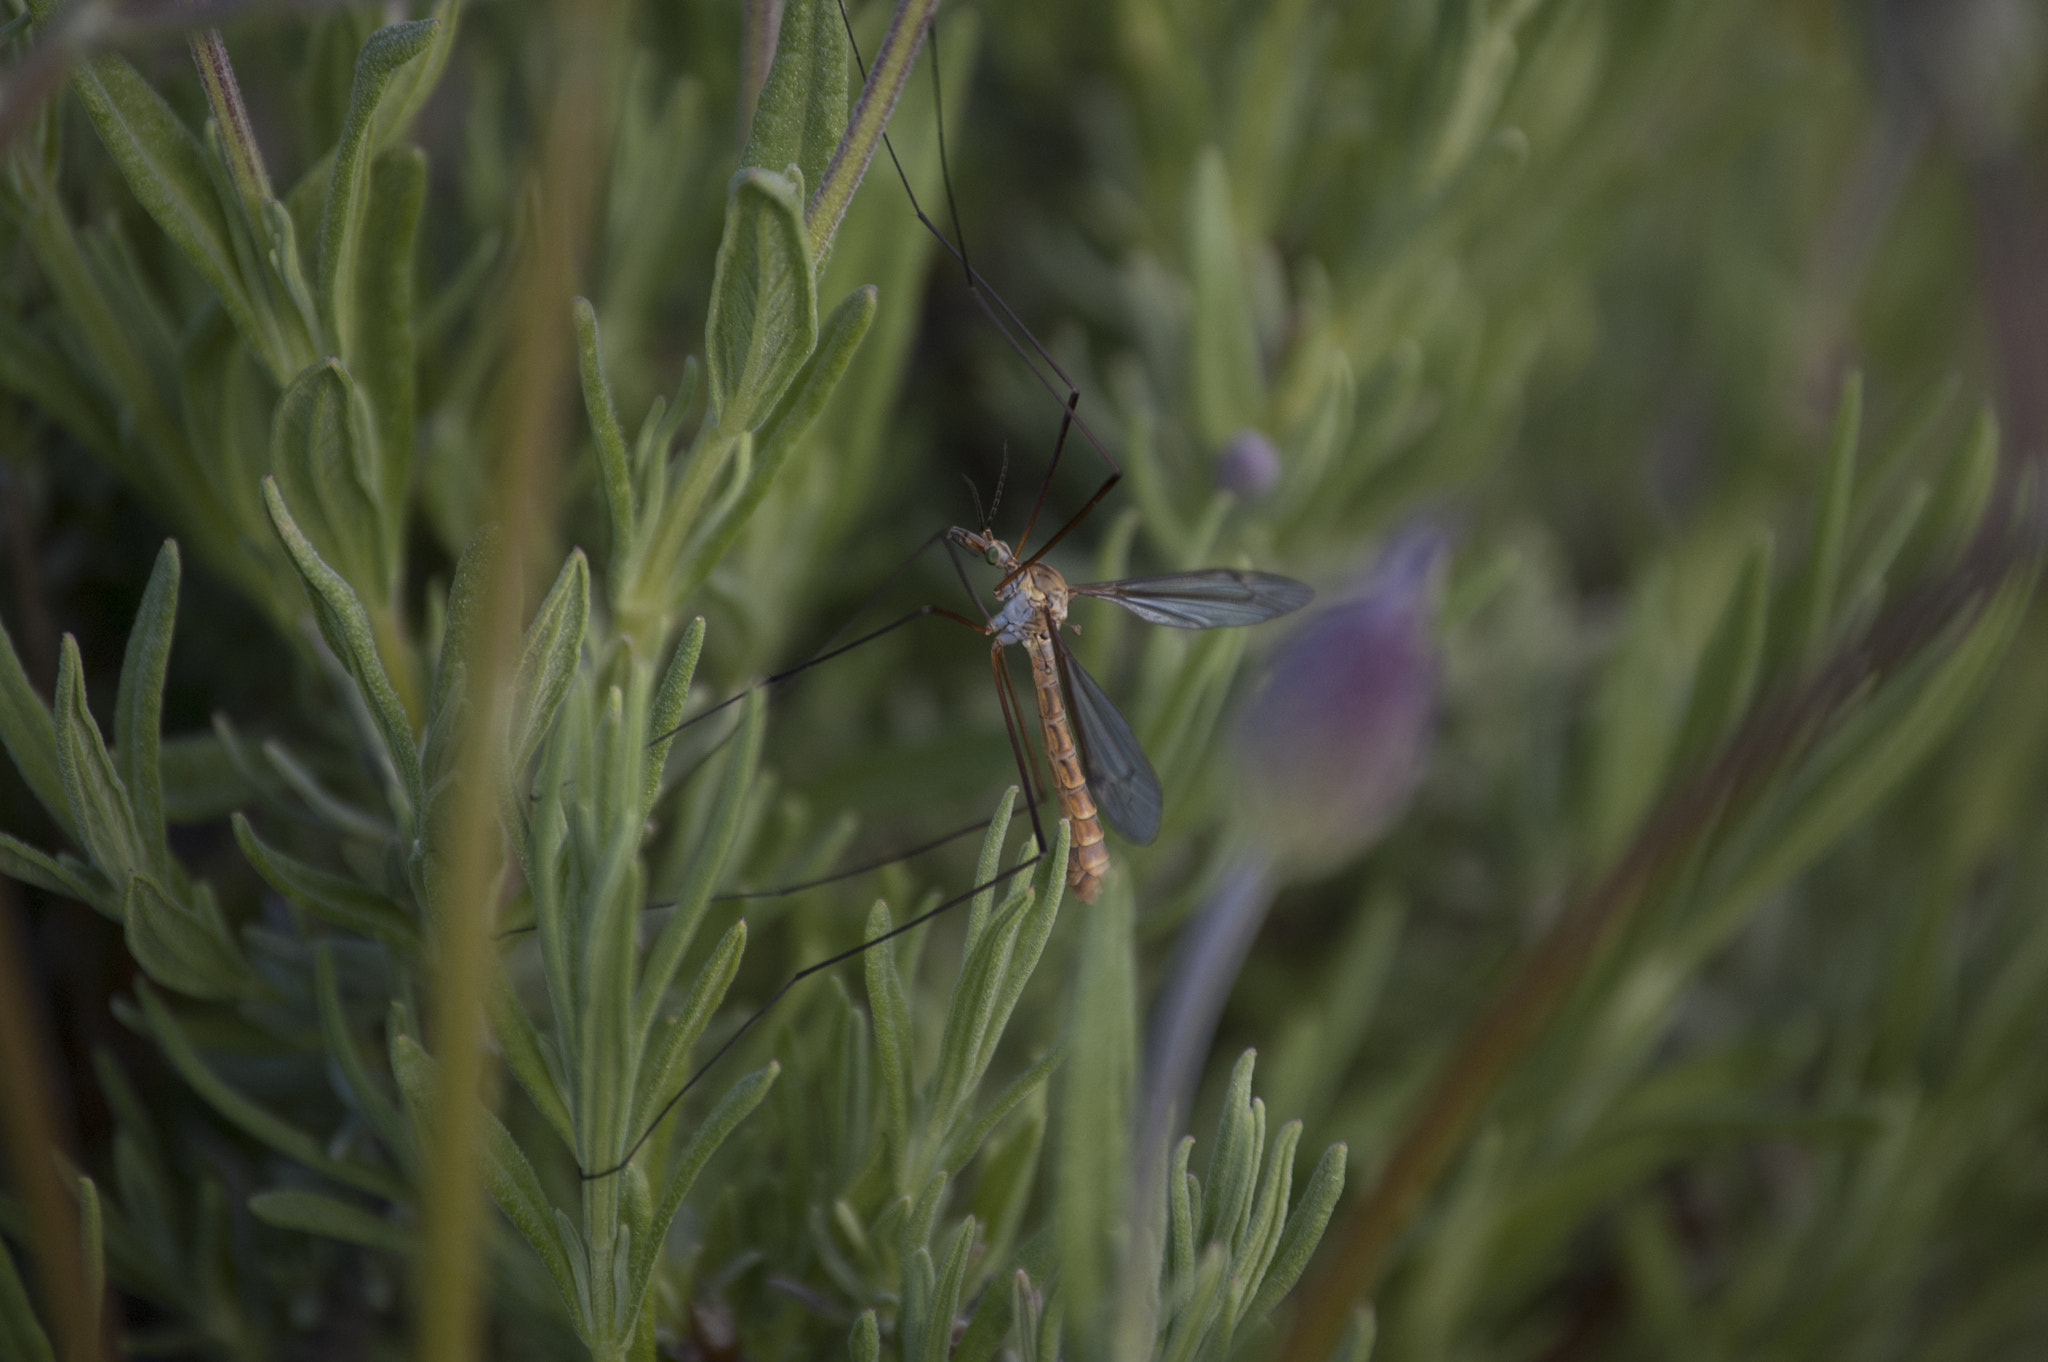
<point>763,321</point>
<point>139,710</point>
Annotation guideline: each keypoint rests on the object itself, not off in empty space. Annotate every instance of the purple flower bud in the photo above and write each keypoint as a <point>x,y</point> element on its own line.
<point>1248,465</point>
<point>1335,738</point>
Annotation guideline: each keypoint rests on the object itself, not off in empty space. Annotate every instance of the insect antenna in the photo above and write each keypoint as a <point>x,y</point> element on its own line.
<point>975,492</point>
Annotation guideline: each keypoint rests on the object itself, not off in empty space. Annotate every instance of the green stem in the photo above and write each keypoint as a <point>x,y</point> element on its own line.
<point>224,98</point>
<point>886,78</point>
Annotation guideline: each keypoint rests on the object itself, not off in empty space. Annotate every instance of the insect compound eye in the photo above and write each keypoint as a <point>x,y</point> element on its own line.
<point>995,556</point>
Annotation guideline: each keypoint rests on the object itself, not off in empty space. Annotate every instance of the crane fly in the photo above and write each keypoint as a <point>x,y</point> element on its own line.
<point>1097,765</point>
<point>1100,772</point>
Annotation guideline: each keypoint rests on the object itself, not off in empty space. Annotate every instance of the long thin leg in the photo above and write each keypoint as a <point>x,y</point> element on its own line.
<point>741,895</point>
<point>989,300</point>
<point>789,673</point>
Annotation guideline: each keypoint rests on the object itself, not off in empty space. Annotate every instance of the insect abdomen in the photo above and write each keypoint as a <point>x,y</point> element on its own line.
<point>1087,859</point>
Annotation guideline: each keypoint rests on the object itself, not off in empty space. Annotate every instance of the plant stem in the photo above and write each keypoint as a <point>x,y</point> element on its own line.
<point>528,408</point>
<point>886,78</point>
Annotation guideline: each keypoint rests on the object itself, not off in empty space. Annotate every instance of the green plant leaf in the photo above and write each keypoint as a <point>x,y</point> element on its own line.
<point>890,1010</point>
<point>548,657</point>
<point>659,1075</point>
<point>667,710</point>
<point>785,427</point>
<point>1090,1151</point>
<point>365,1093</point>
<point>279,1134</point>
<point>513,1184</point>
<point>346,627</point>
<point>348,194</point>
<point>763,320</point>
<point>527,1060</point>
<point>711,1132</point>
<point>706,865</point>
<point>415,82</point>
<point>332,898</point>
<point>92,786</point>
<point>330,1218</point>
<point>383,357</point>
<point>20,861</point>
<point>801,114</point>
<point>614,474</point>
<point>139,709</point>
<point>165,166</point>
<point>30,733</point>
<point>324,456</point>
<point>183,942</point>
<point>864,1344</point>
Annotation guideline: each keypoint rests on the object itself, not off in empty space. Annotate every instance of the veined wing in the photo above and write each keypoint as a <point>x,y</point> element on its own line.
<point>1122,781</point>
<point>1213,598</point>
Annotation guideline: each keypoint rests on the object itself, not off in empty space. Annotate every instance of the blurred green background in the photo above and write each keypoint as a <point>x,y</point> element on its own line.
<point>1701,331</point>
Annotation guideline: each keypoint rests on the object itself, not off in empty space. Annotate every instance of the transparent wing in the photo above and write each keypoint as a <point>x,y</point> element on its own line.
<point>1122,781</point>
<point>1213,598</point>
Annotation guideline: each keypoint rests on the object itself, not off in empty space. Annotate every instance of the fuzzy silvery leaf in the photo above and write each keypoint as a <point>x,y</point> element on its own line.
<point>785,427</point>
<point>30,734</point>
<point>668,1050</point>
<point>324,454</point>
<point>665,957</point>
<point>705,1139</point>
<point>93,792</point>
<point>139,707</point>
<point>415,82</point>
<point>512,1183</point>
<point>864,1344</point>
<point>183,941</point>
<point>330,1218</point>
<point>667,709</point>
<point>1090,1147</point>
<point>382,358</point>
<point>361,1089</point>
<point>332,898</point>
<point>346,627</point>
<point>548,658</point>
<point>165,165</point>
<point>348,189</point>
<point>615,477</point>
<point>65,875</point>
<point>763,320</point>
<point>240,1111</point>
<point>801,114</point>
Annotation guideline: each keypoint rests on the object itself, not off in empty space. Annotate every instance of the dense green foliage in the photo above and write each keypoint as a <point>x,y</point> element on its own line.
<point>407,424</point>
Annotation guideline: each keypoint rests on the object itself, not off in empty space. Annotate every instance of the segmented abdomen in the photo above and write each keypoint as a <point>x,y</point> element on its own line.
<point>1087,858</point>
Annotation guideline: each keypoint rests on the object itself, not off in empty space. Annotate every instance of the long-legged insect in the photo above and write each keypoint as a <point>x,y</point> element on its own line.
<point>1088,746</point>
<point>1097,752</point>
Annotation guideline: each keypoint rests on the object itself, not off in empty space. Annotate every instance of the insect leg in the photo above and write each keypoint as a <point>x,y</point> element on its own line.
<point>1002,316</point>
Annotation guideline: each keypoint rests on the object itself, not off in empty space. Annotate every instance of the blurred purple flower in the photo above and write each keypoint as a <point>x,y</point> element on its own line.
<point>1331,746</point>
<point>1248,465</point>
<point>1334,740</point>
